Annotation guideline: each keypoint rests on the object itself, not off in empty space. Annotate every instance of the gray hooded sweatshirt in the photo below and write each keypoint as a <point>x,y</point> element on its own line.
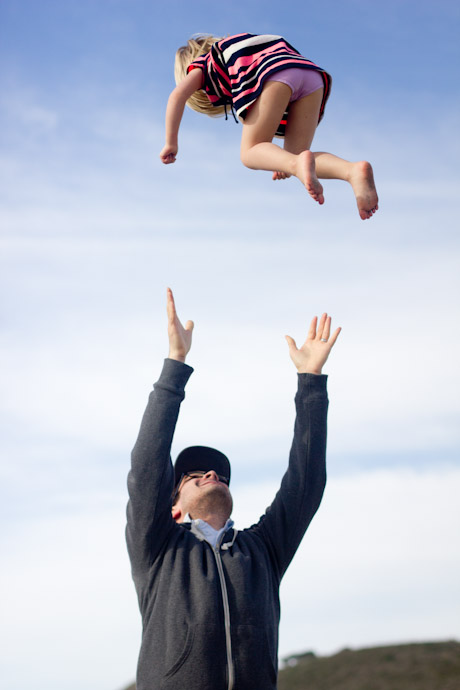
<point>210,616</point>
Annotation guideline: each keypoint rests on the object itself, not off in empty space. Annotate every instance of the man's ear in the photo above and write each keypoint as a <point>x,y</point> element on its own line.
<point>176,513</point>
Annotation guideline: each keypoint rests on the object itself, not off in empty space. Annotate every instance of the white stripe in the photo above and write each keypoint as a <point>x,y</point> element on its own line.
<point>255,40</point>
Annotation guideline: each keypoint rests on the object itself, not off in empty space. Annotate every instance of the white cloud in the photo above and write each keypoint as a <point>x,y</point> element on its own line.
<point>378,563</point>
<point>85,336</point>
<point>70,603</point>
<point>26,108</point>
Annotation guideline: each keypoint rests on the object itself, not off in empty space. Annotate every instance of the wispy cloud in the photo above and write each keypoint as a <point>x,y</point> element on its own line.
<point>377,563</point>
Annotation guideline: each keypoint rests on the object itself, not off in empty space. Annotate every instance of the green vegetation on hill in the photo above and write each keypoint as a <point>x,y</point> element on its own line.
<point>427,666</point>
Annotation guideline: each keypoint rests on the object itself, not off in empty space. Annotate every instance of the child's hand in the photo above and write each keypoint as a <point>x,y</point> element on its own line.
<point>168,154</point>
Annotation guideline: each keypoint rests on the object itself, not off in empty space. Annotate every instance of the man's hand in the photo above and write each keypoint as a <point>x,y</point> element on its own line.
<point>180,338</point>
<point>310,358</point>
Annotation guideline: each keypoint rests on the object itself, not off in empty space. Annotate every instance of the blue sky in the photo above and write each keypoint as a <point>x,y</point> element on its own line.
<point>93,229</point>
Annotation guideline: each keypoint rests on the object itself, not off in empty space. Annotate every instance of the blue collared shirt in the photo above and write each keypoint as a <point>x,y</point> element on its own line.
<point>208,533</point>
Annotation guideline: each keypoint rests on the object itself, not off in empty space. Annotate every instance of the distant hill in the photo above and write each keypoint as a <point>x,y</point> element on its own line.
<point>425,666</point>
<point>428,666</point>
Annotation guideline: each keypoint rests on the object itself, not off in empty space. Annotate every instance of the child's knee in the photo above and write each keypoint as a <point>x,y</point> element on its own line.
<point>245,157</point>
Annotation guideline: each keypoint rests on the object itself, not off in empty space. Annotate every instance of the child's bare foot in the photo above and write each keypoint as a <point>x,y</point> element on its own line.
<point>306,172</point>
<point>362,181</point>
<point>278,175</point>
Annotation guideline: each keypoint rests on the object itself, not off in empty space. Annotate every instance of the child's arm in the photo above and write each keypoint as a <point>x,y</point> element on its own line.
<point>175,110</point>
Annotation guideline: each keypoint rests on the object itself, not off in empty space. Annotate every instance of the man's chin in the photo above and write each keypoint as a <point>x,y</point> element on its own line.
<point>217,495</point>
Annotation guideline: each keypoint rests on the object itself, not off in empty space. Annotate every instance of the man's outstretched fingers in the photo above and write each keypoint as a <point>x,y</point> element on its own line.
<point>334,336</point>
<point>326,328</point>
<point>321,327</point>
<point>170,304</point>
<point>180,337</point>
<point>291,342</point>
<point>311,357</point>
<point>312,330</point>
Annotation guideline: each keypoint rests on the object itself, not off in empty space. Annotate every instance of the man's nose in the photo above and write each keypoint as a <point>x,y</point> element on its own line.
<point>212,475</point>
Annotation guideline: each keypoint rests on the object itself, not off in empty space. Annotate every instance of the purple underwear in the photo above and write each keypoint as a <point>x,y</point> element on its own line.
<point>302,82</point>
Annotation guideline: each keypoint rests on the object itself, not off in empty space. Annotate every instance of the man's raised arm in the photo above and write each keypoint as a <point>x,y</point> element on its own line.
<point>302,487</point>
<point>150,481</point>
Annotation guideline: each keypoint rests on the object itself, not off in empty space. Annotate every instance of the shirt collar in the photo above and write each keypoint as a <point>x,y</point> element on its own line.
<point>204,530</point>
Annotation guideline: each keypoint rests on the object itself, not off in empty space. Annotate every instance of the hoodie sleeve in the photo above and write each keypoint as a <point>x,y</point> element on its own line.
<point>286,520</point>
<point>151,478</point>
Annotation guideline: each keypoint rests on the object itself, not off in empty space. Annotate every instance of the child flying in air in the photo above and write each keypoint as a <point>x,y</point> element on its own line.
<point>276,93</point>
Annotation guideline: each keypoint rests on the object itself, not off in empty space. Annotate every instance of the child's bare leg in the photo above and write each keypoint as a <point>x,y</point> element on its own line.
<point>299,135</point>
<point>300,130</point>
<point>358,174</point>
<point>257,151</point>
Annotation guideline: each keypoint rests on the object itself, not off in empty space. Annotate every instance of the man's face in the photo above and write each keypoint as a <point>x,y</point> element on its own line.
<point>203,492</point>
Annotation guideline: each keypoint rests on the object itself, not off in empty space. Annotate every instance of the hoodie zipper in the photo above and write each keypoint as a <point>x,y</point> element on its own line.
<point>228,639</point>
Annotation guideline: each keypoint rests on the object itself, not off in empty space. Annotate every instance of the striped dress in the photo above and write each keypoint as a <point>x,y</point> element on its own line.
<point>235,69</point>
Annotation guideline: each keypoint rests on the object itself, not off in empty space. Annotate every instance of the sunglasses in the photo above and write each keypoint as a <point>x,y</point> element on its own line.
<point>195,474</point>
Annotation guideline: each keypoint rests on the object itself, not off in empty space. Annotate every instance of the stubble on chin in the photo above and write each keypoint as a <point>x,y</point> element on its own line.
<point>213,498</point>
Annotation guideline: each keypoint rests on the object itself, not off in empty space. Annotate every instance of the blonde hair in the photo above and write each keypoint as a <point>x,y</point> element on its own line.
<point>198,45</point>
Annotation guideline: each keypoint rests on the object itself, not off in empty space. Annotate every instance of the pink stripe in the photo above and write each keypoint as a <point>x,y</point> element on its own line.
<point>189,69</point>
<point>223,81</point>
<point>247,59</point>
<point>294,58</point>
<point>261,76</point>
<point>255,58</point>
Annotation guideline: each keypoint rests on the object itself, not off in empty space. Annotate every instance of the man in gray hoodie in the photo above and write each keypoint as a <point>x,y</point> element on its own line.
<point>209,594</point>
